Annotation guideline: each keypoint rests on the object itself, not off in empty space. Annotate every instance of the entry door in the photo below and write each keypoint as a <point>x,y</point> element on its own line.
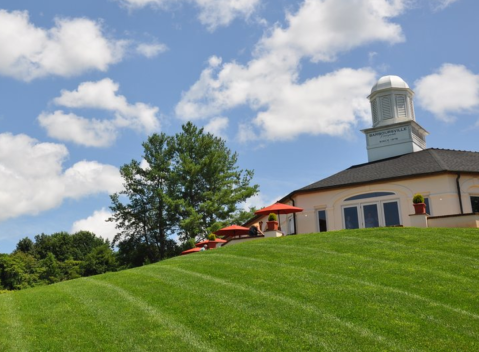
<point>351,217</point>
<point>370,215</point>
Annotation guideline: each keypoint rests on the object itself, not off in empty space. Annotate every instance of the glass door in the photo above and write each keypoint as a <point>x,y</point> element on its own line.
<point>370,215</point>
<point>351,217</point>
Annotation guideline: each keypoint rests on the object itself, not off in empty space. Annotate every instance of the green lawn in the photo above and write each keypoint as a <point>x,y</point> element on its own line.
<point>357,290</point>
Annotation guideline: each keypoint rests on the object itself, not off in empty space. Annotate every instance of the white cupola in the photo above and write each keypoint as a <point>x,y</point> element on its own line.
<point>395,131</point>
<point>391,101</point>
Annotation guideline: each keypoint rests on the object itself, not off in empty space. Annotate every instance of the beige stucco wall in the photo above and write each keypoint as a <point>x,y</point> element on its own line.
<point>440,189</point>
<point>471,220</point>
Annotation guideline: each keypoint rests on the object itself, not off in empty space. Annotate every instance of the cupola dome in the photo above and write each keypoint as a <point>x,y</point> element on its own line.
<point>386,82</point>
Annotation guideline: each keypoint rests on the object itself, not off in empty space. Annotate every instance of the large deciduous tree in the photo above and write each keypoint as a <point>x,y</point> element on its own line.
<point>188,185</point>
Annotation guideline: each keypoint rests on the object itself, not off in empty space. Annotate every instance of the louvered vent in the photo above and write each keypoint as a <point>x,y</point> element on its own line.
<point>401,106</point>
<point>386,107</point>
<point>374,108</point>
<point>411,109</point>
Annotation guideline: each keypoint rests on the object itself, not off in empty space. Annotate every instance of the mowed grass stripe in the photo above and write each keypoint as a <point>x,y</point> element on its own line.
<point>417,251</point>
<point>423,280</point>
<point>52,322</point>
<point>460,265</point>
<point>464,242</point>
<point>301,304</point>
<point>185,334</point>
<point>232,317</point>
<point>261,312</point>
<point>108,318</point>
<point>426,247</point>
<point>374,260</point>
<point>368,307</point>
<point>346,279</point>
<point>12,336</point>
<point>455,241</point>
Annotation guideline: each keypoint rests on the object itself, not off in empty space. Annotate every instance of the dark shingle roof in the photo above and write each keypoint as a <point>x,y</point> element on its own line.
<point>425,162</point>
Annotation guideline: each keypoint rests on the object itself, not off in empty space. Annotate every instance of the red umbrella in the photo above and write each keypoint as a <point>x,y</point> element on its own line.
<point>210,244</point>
<point>232,230</point>
<point>189,251</point>
<point>279,208</point>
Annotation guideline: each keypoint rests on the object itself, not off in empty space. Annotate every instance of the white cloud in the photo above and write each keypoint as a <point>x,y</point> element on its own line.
<point>217,126</point>
<point>453,89</point>
<point>299,109</point>
<point>32,179</point>
<point>79,130</point>
<point>322,29</point>
<point>258,201</point>
<point>441,4</point>
<point>151,50</point>
<point>215,61</point>
<point>97,224</point>
<point>329,104</point>
<point>91,177</point>
<point>213,13</point>
<point>93,132</point>
<point>70,48</point>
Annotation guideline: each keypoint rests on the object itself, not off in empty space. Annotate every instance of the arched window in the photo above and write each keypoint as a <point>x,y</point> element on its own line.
<point>370,195</point>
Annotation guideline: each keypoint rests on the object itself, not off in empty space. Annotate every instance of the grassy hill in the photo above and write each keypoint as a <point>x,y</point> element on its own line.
<point>366,290</point>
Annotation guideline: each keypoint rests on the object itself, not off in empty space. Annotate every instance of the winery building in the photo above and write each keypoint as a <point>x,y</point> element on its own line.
<point>379,192</point>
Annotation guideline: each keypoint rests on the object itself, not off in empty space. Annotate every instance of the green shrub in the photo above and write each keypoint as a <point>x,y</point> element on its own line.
<point>272,217</point>
<point>212,237</point>
<point>418,198</point>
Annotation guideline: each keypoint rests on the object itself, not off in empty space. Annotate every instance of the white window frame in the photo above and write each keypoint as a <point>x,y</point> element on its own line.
<point>380,206</point>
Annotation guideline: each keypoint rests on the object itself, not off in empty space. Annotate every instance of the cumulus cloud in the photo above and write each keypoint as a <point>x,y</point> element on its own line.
<point>32,178</point>
<point>100,95</point>
<point>217,126</point>
<point>70,48</point>
<point>331,104</point>
<point>151,50</point>
<point>258,201</point>
<point>322,29</point>
<point>79,130</point>
<point>453,89</point>
<point>97,224</point>
<point>213,13</point>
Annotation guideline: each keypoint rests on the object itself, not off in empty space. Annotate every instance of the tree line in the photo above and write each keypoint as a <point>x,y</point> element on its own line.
<point>54,258</point>
<point>184,187</point>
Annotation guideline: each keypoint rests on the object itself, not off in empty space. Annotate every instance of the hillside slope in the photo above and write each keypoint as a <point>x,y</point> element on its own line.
<point>365,290</point>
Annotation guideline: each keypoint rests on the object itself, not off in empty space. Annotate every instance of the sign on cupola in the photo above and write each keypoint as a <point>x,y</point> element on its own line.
<point>395,130</point>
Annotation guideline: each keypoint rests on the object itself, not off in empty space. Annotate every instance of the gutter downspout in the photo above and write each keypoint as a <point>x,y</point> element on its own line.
<point>294,217</point>
<point>459,191</point>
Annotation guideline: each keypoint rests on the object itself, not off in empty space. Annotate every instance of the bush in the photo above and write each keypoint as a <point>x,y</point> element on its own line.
<point>272,217</point>
<point>212,237</point>
<point>418,198</point>
<point>189,244</point>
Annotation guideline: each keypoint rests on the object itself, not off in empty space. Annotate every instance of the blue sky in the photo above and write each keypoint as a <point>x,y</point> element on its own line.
<point>83,83</point>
